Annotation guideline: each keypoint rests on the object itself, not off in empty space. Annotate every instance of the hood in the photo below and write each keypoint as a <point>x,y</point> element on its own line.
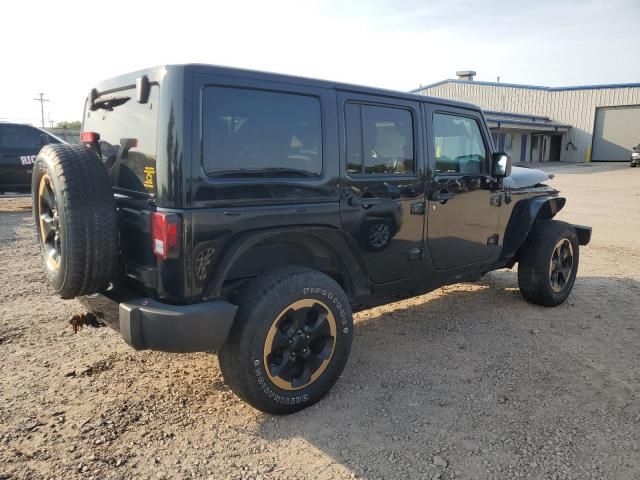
<point>526,177</point>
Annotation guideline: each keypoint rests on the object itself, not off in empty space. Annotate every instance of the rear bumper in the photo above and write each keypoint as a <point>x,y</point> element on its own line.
<point>146,324</point>
<point>584,234</point>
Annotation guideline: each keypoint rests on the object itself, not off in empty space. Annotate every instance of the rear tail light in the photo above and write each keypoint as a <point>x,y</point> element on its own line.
<point>89,137</point>
<point>164,234</point>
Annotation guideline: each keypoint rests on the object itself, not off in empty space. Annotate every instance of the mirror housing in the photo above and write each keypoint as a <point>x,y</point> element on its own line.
<point>500,165</point>
<point>143,89</point>
<point>44,139</point>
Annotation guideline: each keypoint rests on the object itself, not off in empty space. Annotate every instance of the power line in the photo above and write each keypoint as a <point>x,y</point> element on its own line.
<point>41,100</point>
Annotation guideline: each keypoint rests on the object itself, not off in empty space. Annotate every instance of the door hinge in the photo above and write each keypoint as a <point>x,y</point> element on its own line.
<point>496,200</point>
<point>417,208</point>
<point>415,254</point>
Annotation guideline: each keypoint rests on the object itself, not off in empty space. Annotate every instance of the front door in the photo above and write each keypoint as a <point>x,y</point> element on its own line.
<point>382,190</point>
<point>462,220</point>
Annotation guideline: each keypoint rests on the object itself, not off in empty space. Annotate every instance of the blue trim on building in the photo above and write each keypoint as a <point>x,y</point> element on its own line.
<point>514,115</point>
<point>523,147</point>
<point>501,121</point>
<point>530,87</point>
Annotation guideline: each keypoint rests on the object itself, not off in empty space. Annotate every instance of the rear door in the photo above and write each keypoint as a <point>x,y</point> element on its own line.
<point>463,210</point>
<point>382,192</point>
<point>19,145</point>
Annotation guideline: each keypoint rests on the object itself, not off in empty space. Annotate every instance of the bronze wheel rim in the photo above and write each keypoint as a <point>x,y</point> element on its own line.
<point>561,265</point>
<point>299,345</point>
<point>49,223</point>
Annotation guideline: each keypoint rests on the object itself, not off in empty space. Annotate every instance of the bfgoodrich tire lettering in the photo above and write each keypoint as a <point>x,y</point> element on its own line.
<point>551,246</point>
<point>75,218</point>
<point>247,358</point>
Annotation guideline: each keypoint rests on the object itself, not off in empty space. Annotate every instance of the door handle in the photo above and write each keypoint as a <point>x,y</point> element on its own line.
<point>442,196</point>
<point>364,202</point>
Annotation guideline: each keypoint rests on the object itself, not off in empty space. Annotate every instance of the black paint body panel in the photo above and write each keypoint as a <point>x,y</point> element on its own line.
<point>233,228</point>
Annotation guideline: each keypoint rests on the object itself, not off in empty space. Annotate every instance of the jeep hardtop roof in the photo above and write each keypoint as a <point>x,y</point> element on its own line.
<point>155,74</point>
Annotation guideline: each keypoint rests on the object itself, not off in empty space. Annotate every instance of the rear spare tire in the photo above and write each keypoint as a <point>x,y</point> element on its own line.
<point>75,218</point>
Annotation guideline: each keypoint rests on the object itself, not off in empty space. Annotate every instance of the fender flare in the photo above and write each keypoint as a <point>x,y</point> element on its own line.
<point>523,216</point>
<point>332,239</point>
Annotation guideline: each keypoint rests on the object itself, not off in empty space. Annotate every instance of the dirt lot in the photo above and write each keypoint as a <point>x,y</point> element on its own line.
<point>495,387</point>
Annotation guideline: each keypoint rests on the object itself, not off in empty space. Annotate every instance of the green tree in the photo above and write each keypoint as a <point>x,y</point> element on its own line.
<point>65,124</point>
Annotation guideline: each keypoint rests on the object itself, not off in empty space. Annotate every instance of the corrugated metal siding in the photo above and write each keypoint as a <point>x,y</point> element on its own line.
<point>574,107</point>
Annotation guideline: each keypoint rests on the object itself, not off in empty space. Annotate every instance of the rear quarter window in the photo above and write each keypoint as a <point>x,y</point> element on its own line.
<point>255,133</point>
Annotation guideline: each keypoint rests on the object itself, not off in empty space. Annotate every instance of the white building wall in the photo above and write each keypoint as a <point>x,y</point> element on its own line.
<point>573,107</point>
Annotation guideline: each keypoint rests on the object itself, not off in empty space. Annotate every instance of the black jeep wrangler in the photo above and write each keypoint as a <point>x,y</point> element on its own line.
<point>214,209</point>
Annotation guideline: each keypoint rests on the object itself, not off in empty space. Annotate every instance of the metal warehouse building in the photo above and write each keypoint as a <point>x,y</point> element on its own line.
<point>569,124</point>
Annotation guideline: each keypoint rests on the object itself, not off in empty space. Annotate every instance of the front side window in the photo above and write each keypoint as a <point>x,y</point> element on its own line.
<point>254,133</point>
<point>379,140</point>
<point>458,144</point>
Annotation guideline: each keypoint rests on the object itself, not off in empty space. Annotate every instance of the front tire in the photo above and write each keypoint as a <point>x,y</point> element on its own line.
<point>548,263</point>
<point>290,340</point>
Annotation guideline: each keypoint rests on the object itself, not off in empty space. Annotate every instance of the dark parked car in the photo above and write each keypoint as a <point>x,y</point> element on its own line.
<point>251,213</point>
<point>635,156</point>
<point>19,145</point>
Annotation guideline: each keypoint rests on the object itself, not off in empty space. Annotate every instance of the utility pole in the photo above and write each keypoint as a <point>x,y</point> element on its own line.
<point>41,100</point>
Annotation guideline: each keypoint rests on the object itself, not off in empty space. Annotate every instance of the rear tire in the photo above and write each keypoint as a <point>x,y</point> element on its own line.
<point>548,263</point>
<point>75,218</point>
<point>290,340</point>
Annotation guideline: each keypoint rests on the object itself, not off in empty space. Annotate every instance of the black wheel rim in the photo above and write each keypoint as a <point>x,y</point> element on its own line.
<point>49,223</point>
<point>379,235</point>
<point>561,265</point>
<point>300,344</point>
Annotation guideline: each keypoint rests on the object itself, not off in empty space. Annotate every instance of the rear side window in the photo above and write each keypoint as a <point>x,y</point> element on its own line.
<point>255,133</point>
<point>379,140</point>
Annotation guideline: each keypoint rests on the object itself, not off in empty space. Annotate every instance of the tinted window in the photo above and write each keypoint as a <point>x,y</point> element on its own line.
<point>20,137</point>
<point>379,140</point>
<point>128,134</point>
<point>458,144</point>
<point>261,134</point>
<point>354,138</point>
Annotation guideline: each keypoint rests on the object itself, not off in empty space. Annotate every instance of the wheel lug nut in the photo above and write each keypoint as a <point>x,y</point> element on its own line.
<point>290,341</point>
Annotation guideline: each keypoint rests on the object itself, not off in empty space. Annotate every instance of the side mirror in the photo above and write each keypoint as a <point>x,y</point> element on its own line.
<point>143,88</point>
<point>44,139</point>
<point>500,165</point>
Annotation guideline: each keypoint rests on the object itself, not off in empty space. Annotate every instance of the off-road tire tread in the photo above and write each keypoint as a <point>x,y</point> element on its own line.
<point>236,352</point>
<point>533,262</point>
<point>91,233</point>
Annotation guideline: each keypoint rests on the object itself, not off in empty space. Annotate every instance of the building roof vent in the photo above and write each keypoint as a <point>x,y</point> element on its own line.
<point>466,75</point>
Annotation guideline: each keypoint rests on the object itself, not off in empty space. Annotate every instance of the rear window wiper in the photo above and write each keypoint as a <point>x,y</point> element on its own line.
<point>263,172</point>
<point>108,103</point>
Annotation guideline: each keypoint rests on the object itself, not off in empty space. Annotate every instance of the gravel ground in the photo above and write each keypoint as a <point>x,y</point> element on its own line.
<point>466,382</point>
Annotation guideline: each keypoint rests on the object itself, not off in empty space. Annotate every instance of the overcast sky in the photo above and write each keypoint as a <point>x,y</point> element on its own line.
<point>64,47</point>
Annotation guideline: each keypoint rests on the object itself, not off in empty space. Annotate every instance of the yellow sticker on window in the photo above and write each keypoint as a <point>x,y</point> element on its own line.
<point>149,177</point>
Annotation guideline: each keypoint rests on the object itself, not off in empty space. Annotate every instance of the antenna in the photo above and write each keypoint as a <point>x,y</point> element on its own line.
<point>41,100</point>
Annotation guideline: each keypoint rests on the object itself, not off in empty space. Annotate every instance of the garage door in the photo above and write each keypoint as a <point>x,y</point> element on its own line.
<point>617,130</point>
